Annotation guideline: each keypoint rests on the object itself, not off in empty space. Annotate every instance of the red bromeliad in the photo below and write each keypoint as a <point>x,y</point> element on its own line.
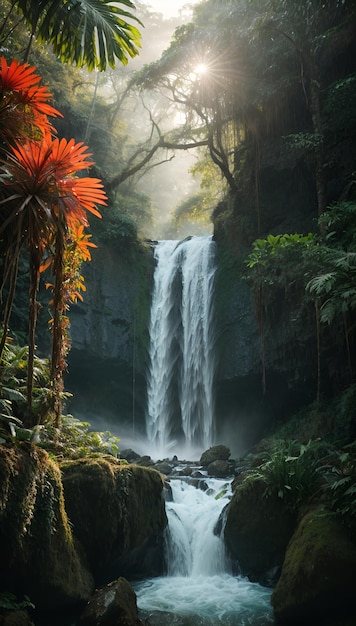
<point>44,206</point>
<point>24,105</point>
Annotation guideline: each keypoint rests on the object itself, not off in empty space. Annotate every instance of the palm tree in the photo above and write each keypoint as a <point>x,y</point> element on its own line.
<point>94,33</point>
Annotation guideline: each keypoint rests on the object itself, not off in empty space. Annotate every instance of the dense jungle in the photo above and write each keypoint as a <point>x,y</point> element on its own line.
<point>119,128</point>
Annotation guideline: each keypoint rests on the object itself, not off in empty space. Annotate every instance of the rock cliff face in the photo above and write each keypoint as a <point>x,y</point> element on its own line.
<point>107,362</point>
<point>109,356</point>
<point>118,515</point>
<point>40,557</point>
<point>108,359</point>
<point>66,528</point>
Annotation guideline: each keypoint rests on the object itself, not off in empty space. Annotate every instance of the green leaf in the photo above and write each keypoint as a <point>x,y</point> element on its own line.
<point>85,32</point>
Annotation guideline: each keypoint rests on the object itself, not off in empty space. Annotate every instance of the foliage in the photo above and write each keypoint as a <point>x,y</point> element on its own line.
<point>91,33</point>
<point>340,484</point>
<point>336,289</point>
<point>263,250</point>
<point>290,471</point>
<point>194,210</point>
<point>340,106</point>
<point>118,231</point>
<point>273,260</point>
<point>300,474</point>
<point>304,141</point>
<point>10,602</point>
<point>44,208</point>
<point>339,224</point>
<point>75,439</point>
<point>14,366</point>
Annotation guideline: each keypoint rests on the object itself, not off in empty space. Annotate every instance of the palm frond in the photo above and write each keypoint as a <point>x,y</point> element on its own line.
<point>86,32</point>
<point>321,284</point>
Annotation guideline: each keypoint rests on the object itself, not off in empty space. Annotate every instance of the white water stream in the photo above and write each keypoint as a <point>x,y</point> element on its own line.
<point>199,589</point>
<point>180,411</point>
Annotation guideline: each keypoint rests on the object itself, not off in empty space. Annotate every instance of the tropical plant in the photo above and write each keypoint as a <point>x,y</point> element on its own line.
<point>339,474</point>
<point>86,32</point>
<point>75,439</point>
<point>13,387</point>
<point>44,205</point>
<point>10,602</point>
<point>290,471</point>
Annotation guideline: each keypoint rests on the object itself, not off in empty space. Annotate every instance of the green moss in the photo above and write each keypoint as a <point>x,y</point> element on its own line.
<point>114,507</point>
<point>40,557</point>
<point>257,529</point>
<point>319,568</point>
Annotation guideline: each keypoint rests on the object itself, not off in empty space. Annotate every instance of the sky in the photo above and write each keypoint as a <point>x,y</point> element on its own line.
<point>169,8</point>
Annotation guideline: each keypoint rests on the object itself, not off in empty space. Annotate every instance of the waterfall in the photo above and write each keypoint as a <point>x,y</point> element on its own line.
<point>199,588</point>
<point>180,382</point>
<point>193,549</point>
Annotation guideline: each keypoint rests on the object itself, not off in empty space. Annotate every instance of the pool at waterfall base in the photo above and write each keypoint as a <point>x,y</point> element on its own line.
<point>199,589</point>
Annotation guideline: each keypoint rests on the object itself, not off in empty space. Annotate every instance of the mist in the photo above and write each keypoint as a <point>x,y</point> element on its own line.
<point>168,181</point>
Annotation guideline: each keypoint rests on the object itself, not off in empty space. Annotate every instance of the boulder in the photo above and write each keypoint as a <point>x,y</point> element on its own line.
<point>118,515</point>
<point>216,453</point>
<point>257,531</point>
<point>40,558</point>
<point>113,605</point>
<point>220,469</point>
<point>317,581</point>
<point>130,455</point>
<point>163,468</point>
<point>15,618</point>
<point>144,461</point>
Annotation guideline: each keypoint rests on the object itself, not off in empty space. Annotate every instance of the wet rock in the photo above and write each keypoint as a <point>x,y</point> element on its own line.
<point>167,492</point>
<point>257,530</point>
<point>113,605</point>
<point>15,618</point>
<point>216,453</point>
<point>40,557</point>
<point>163,467</point>
<point>130,455</point>
<point>144,461</point>
<point>118,514</point>
<point>220,469</point>
<point>318,574</point>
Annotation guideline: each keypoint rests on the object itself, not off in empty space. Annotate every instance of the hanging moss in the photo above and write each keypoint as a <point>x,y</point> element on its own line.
<point>39,556</point>
<point>118,515</point>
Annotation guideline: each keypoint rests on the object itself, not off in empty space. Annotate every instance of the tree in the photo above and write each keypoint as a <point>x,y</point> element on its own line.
<point>86,32</point>
<point>316,30</point>
<point>44,205</point>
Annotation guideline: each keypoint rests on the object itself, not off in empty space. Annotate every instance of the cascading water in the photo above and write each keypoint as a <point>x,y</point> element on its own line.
<point>180,383</point>
<point>199,590</point>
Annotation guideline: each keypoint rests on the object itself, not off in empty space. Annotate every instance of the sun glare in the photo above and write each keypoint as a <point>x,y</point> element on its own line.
<point>201,69</point>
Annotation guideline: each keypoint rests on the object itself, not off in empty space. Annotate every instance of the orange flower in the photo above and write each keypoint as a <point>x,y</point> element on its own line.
<point>23,103</point>
<point>20,78</point>
<point>68,156</point>
<point>81,241</point>
<point>43,172</point>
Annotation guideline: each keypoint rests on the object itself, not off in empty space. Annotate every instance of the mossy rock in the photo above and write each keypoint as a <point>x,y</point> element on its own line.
<point>318,576</point>
<point>215,453</point>
<point>118,515</point>
<point>15,618</point>
<point>39,556</point>
<point>220,469</point>
<point>257,531</point>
